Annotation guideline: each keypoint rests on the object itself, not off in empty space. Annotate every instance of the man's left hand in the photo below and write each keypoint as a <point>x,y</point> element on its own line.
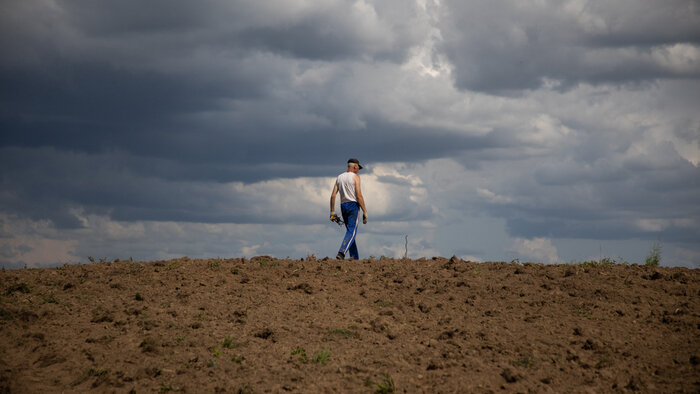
<point>364,218</point>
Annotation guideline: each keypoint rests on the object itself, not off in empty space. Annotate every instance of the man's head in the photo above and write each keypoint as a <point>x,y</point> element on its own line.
<point>354,165</point>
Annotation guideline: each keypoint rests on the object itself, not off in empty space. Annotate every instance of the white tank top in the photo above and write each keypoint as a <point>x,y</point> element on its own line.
<point>346,187</point>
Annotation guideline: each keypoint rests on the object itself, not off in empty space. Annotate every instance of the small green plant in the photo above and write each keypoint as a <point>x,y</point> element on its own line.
<point>179,338</point>
<point>216,352</point>
<point>383,303</point>
<point>386,385</point>
<point>211,363</point>
<point>97,372</point>
<point>91,259</point>
<point>214,264</point>
<point>165,388</point>
<point>21,287</point>
<point>237,359</point>
<point>654,256</point>
<point>322,356</point>
<point>49,299</point>
<point>526,362</point>
<point>148,345</point>
<point>301,352</point>
<point>228,343</point>
<point>341,332</point>
<point>91,373</point>
<point>265,263</point>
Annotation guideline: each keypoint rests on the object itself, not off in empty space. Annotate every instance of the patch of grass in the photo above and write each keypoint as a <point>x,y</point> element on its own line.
<point>654,256</point>
<point>216,352</point>
<point>21,287</point>
<point>91,373</point>
<point>98,372</point>
<point>268,263</point>
<point>476,272</point>
<point>164,388</point>
<point>148,345</point>
<point>386,385</point>
<point>236,271</point>
<point>214,264</point>
<point>301,352</point>
<point>383,303</point>
<point>237,359</point>
<point>179,338</point>
<point>49,299</point>
<point>211,363</point>
<point>603,262</point>
<point>322,356</point>
<point>526,362</point>
<point>229,343</point>
<point>341,332</point>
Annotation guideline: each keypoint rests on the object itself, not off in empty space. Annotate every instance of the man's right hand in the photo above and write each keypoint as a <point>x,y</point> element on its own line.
<point>364,218</point>
<point>333,217</point>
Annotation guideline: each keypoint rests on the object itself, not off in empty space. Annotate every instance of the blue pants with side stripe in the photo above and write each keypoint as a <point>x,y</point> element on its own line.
<point>350,211</point>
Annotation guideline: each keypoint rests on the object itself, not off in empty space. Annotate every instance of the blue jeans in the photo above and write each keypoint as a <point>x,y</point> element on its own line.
<point>350,212</point>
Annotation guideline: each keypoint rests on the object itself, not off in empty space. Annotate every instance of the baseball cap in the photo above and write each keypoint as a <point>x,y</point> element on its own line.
<point>354,160</point>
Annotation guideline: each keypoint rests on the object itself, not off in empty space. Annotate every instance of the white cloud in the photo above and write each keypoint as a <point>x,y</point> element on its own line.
<point>492,197</point>
<point>539,249</point>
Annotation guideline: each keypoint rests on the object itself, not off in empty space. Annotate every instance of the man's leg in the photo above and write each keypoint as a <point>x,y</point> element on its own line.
<point>349,211</point>
<point>353,250</point>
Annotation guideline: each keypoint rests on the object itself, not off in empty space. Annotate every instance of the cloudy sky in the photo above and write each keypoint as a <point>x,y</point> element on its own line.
<point>550,131</point>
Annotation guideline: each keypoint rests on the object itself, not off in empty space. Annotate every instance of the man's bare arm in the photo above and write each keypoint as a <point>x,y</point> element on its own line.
<point>360,199</point>
<point>333,193</point>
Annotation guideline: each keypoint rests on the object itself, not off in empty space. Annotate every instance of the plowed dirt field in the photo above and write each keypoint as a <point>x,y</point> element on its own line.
<point>378,325</point>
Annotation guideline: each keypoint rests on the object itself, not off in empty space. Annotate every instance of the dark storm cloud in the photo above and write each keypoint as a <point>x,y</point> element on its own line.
<point>605,199</point>
<point>500,46</point>
<point>175,183</point>
<point>149,80</point>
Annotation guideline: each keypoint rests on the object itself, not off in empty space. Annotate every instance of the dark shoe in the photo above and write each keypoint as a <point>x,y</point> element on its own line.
<point>340,256</point>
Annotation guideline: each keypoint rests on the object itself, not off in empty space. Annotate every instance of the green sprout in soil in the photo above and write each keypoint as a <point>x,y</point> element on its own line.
<point>302,354</point>
<point>386,385</point>
<point>322,356</point>
<point>526,362</point>
<point>341,332</point>
<point>237,359</point>
<point>229,343</point>
<point>654,256</point>
<point>50,299</point>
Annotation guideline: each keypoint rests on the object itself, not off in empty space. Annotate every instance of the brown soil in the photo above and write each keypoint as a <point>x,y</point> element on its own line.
<point>428,325</point>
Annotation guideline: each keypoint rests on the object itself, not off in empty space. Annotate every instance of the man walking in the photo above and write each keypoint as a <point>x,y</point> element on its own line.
<point>351,200</point>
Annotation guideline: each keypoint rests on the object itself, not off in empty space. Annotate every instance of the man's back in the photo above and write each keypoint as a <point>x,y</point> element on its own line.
<point>346,187</point>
